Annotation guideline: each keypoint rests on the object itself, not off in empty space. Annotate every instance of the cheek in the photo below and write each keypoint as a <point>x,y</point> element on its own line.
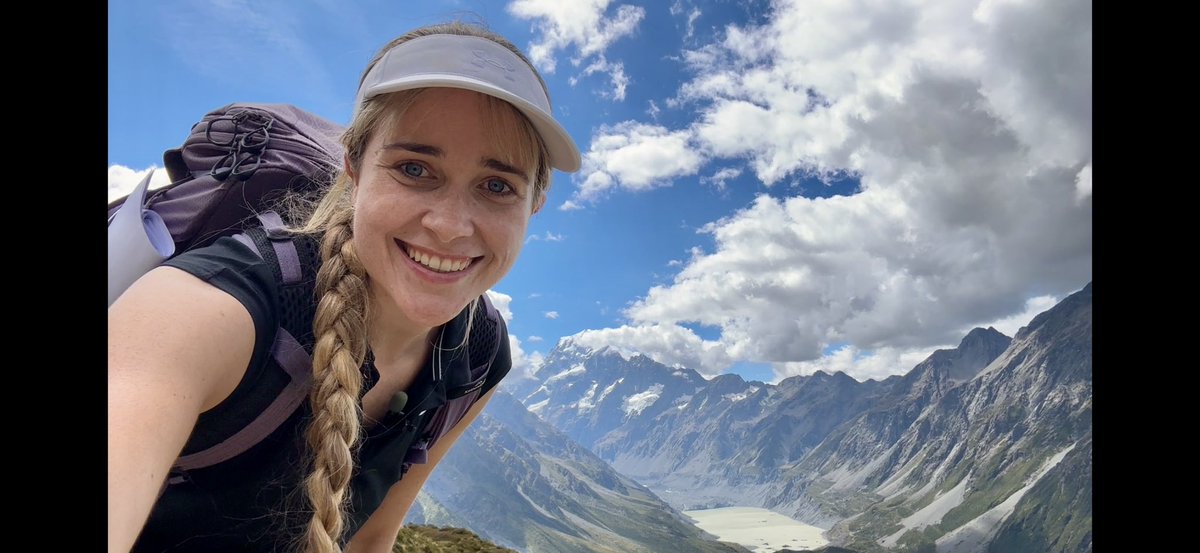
<point>510,235</point>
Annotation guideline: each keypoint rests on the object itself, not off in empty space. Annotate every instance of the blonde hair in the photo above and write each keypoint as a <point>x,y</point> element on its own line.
<point>342,289</point>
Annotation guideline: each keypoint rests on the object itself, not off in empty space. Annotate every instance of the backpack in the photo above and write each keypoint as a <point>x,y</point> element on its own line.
<point>234,163</point>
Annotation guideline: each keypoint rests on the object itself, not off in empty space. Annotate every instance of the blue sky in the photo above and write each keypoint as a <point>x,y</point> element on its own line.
<point>771,188</point>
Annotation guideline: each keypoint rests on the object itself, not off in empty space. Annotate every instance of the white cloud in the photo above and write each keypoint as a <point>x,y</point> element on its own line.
<point>1083,184</point>
<point>724,175</point>
<point>616,73</point>
<point>523,364</point>
<point>676,10</point>
<point>968,127</point>
<point>653,110</point>
<point>619,81</point>
<point>585,25</point>
<point>669,344</point>
<point>122,180</point>
<point>501,301</point>
<point>691,22</point>
<point>570,205</point>
<point>860,365</point>
<point>534,339</point>
<point>547,237</point>
<point>634,156</point>
<point>550,314</point>
<point>1010,325</point>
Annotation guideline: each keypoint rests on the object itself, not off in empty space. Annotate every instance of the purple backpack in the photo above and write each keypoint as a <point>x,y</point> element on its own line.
<point>235,161</point>
<point>233,165</point>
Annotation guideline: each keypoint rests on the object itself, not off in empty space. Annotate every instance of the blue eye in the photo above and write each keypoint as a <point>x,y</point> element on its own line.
<point>412,169</point>
<point>498,187</point>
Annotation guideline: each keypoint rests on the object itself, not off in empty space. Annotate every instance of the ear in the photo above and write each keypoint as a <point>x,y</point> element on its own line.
<point>539,203</point>
<point>349,170</point>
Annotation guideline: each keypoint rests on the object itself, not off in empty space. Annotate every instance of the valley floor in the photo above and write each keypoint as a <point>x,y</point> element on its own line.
<point>760,530</point>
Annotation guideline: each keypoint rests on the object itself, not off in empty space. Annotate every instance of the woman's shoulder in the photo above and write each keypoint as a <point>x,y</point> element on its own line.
<point>233,267</point>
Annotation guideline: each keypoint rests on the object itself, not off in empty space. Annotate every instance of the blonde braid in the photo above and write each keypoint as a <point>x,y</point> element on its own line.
<point>340,330</point>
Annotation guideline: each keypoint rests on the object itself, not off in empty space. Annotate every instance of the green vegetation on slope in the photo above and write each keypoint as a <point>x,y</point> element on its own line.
<point>416,538</point>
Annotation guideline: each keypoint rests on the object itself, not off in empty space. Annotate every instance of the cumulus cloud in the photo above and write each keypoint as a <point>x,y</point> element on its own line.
<point>122,180</point>
<point>587,27</point>
<point>1033,307</point>
<point>1083,184</point>
<point>634,156</point>
<point>669,344</point>
<point>550,314</point>
<point>501,302</point>
<point>861,365</point>
<point>968,127</point>
<point>523,364</point>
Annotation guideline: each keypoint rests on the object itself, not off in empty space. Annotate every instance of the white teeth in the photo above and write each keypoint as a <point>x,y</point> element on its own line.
<point>437,263</point>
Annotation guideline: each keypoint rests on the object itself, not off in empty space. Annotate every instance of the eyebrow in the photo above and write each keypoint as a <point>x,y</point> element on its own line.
<point>434,151</point>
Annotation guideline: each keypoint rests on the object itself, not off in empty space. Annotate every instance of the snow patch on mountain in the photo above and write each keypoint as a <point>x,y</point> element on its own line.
<point>609,389</point>
<point>585,403</point>
<point>743,395</point>
<point>636,403</point>
<point>536,408</point>
<point>577,369</point>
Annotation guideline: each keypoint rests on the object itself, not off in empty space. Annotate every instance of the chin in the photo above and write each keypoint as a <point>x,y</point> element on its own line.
<point>435,313</point>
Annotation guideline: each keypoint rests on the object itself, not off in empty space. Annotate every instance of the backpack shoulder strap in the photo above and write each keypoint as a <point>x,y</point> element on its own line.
<point>272,244</point>
<point>489,336</point>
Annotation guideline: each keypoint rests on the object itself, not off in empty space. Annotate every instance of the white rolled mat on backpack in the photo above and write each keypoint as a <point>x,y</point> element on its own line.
<point>138,241</point>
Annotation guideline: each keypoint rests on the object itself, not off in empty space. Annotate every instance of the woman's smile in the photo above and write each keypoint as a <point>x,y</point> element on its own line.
<point>439,263</point>
<point>441,205</point>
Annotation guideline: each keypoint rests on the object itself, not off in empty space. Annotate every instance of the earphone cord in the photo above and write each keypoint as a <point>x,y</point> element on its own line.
<point>437,361</point>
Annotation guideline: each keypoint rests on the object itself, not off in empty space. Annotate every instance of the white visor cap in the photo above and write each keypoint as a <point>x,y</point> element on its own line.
<point>472,63</point>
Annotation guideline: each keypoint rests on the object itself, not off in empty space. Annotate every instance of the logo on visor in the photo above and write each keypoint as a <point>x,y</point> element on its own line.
<point>482,58</point>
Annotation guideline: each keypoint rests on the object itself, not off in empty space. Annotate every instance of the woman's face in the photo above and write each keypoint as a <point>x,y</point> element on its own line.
<point>440,209</point>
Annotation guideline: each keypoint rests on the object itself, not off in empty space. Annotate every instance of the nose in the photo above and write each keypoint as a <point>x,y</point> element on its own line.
<point>449,215</point>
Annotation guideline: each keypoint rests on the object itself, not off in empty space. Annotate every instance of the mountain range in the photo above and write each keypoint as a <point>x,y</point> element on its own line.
<point>983,447</point>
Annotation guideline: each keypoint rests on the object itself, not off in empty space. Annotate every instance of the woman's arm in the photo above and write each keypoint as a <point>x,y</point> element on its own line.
<point>177,347</point>
<point>379,533</point>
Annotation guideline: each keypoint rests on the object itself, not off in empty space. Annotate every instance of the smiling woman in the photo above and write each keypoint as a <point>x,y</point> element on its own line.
<point>442,205</point>
<point>448,155</point>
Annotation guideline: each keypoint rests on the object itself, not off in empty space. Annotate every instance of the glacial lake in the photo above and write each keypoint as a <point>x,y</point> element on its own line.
<point>759,530</point>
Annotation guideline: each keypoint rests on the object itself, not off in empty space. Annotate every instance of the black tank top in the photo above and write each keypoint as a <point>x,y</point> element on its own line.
<point>255,502</point>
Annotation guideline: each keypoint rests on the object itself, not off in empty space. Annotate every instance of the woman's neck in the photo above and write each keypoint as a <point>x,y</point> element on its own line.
<point>396,341</point>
